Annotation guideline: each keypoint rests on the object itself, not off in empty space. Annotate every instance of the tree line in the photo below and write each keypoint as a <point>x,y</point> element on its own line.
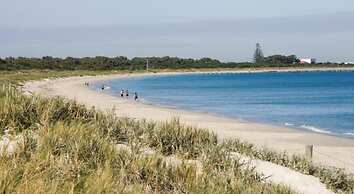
<point>258,57</point>
<point>105,63</point>
<point>137,63</point>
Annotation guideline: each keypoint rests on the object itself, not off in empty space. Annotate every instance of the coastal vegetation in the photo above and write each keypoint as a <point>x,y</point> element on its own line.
<point>65,147</point>
<point>18,77</point>
<point>101,63</point>
<point>258,58</point>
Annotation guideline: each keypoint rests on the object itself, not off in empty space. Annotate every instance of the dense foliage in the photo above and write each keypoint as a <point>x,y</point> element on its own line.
<point>276,59</point>
<point>139,63</point>
<point>105,63</point>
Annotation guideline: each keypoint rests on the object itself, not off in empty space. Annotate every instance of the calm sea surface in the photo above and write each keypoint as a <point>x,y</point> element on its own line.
<point>316,101</point>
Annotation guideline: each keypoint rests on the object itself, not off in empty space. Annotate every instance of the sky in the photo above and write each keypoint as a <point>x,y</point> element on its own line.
<point>225,29</point>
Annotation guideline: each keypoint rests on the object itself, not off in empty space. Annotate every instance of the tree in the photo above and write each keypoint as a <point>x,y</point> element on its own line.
<point>281,59</point>
<point>258,54</point>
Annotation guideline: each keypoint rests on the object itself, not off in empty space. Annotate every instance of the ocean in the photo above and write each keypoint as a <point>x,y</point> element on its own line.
<point>322,102</point>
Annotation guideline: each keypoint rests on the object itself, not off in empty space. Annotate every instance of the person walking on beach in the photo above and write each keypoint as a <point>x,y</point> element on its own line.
<point>126,93</point>
<point>135,96</point>
<point>122,93</point>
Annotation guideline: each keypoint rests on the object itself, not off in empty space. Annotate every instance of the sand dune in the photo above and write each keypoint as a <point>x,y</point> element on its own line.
<point>328,150</point>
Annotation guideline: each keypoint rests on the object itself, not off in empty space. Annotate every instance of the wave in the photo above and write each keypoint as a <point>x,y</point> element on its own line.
<point>350,134</point>
<point>312,128</point>
<point>289,124</point>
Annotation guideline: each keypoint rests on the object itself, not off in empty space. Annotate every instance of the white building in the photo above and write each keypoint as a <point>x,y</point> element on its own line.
<point>349,63</point>
<point>308,61</point>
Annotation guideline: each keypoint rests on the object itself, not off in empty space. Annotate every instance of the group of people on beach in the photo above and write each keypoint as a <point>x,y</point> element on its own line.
<point>125,93</point>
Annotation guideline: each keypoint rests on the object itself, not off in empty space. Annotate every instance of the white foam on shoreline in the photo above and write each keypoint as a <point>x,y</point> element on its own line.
<point>289,124</point>
<point>312,128</point>
<point>350,134</point>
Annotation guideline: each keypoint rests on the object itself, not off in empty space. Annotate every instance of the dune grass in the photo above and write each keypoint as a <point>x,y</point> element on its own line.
<point>16,77</point>
<point>66,147</point>
<point>335,179</point>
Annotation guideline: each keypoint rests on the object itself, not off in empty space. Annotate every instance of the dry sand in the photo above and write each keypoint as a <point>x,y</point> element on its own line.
<point>328,150</point>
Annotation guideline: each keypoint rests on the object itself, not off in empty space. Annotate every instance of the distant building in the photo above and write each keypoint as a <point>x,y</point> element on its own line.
<point>308,61</point>
<point>349,63</point>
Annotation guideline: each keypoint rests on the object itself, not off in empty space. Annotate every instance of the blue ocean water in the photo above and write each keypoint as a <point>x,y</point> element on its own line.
<point>317,101</point>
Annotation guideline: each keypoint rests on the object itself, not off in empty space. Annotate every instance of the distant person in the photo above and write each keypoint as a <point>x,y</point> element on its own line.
<point>126,93</point>
<point>135,96</point>
<point>122,93</point>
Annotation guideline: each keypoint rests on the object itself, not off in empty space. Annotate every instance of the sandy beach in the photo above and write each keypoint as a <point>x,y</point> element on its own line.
<point>328,150</point>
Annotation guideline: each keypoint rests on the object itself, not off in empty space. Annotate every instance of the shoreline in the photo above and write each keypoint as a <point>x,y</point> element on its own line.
<point>300,128</point>
<point>329,150</point>
<point>257,70</point>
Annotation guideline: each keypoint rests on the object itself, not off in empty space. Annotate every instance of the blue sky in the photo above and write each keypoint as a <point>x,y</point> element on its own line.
<point>114,12</point>
<point>224,29</point>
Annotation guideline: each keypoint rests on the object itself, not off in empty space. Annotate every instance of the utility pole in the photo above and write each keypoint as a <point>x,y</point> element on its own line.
<point>147,64</point>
